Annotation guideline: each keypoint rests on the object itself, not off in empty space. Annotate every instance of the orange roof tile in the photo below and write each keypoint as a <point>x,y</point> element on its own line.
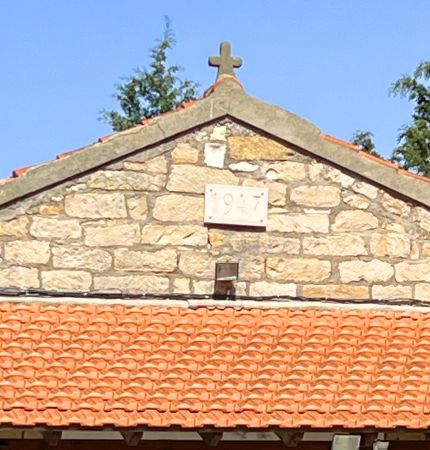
<point>90,366</point>
<point>377,159</point>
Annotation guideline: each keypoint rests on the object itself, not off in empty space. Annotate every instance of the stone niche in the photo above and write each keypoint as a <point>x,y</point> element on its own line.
<point>137,226</point>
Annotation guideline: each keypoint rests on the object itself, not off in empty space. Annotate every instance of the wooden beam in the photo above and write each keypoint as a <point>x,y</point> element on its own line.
<point>290,438</point>
<point>211,438</point>
<point>52,438</point>
<point>132,438</point>
<point>368,439</point>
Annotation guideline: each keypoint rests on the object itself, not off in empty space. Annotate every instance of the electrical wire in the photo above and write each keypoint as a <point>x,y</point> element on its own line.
<point>156,296</point>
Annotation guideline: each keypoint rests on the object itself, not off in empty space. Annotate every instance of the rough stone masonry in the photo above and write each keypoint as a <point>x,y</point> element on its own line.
<point>137,226</point>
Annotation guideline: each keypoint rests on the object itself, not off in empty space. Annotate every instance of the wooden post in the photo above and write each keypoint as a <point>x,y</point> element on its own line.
<point>290,438</point>
<point>52,438</point>
<point>211,438</point>
<point>132,438</point>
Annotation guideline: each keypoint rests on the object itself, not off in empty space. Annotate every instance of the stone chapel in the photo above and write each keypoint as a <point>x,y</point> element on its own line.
<point>222,275</point>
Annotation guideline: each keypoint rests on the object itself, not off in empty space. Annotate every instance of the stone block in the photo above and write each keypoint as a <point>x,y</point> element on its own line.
<point>369,271</point>
<point>190,235</point>
<point>15,228</point>
<point>297,269</point>
<point>338,291</point>
<point>184,154</point>
<point>257,148</point>
<point>215,154</point>
<point>422,291</point>
<point>197,264</point>
<point>298,223</point>
<point>27,252</point>
<point>19,277</point>
<point>94,206</point>
<point>243,166</point>
<point>217,238</point>
<point>178,208</point>
<point>391,292</point>
<point>219,133</point>
<point>395,205</point>
<point>425,251</point>
<point>356,201</point>
<point>137,207</point>
<point>279,245</point>
<point>203,287</point>
<point>110,234</point>
<point>365,189</point>
<point>422,217</point>
<point>181,285</point>
<point>55,229</point>
<point>66,280</point>
<point>337,176</point>
<point>268,289</point>
<point>286,171</point>
<point>390,244</point>
<point>54,209</point>
<point>126,180</point>
<point>79,257</point>
<point>341,245</point>
<point>251,267</point>
<point>154,165</point>
<point>188,178</point>
<point>143,284</point>
<point>145,261</point>
<point>316,196</point>
<point>408,271</point>
<point>355,220</point>
<point>277,191</point>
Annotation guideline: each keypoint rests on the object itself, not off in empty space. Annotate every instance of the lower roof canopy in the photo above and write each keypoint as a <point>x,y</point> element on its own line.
<point>92,365</point>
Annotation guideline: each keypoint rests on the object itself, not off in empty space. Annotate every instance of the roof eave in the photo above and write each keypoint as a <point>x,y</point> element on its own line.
<point>228,99</point>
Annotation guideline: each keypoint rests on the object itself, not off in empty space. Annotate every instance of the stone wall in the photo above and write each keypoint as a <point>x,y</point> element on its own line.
<point>137,225</point>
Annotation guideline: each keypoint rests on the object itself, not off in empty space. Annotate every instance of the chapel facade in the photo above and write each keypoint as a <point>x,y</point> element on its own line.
<point>225,275</point>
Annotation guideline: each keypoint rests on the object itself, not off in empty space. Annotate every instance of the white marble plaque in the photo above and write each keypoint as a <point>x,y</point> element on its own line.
<point>236,205</point>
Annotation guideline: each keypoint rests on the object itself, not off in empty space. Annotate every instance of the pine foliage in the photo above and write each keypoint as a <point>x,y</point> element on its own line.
<point>150,92</point>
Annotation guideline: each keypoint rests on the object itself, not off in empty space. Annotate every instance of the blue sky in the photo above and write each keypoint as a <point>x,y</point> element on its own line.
<point>330,61</point>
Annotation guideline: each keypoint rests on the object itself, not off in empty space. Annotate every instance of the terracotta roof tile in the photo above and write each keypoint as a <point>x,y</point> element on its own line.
<point>377,159</point>
<point>92,365</point>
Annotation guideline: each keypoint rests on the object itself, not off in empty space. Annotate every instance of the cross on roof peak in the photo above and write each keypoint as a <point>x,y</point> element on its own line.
<point>225,62</point>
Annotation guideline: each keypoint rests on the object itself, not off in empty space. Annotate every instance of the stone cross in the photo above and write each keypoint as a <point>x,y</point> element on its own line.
<point>225,62</point>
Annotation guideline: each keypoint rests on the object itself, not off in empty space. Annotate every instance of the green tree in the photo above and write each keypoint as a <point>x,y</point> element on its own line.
<point>413,150</point>
<point>150,92</point>
<point>364,139</point>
